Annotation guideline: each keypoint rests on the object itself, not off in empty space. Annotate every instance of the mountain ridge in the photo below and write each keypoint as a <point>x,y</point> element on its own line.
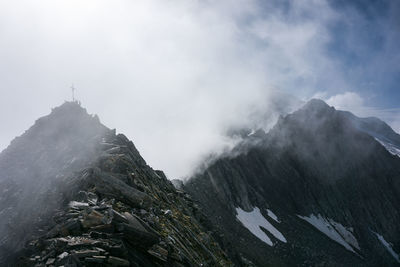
<point>313,167</point>
<point>78,194</point>
<point>318,189</point>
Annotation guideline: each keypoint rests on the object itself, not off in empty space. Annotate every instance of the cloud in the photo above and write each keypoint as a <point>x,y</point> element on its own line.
<point>346,101</point>
<point>171,75</point>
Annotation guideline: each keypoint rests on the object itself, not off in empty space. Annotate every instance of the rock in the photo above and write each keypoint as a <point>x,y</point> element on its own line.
<point>118,250</point>
<point>73,242</point>
<point>143,212</point>
<point>62,255</point>
<point>96,259</point>
<point>114,150</point>
<point>158,252</point>
<point>82,196</point>
<point>95,235</point>
<point>104,228</point>
<point>118,217</point>
<point>92,198</point>
<point>93,260</point>
<point>86,253</point>
<point>138,235</point>
<point>50,261</point>
<point>115,261</point>
<point>78,205</point>
<point>94,218</point>
<point>72,215</point>
<point>72,226</point>
<point>134,221</point>
<point>108,185</point>
<point>168,213</point>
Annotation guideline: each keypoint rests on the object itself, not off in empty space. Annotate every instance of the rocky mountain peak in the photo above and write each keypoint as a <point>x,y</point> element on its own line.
<point>75,193</point>
<point>313,114</point>
<point>64,121</point>
<point>65,139</point>
<point>316,104</point>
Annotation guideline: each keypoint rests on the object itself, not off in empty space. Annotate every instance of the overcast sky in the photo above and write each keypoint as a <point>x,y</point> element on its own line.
<point>173,75</point>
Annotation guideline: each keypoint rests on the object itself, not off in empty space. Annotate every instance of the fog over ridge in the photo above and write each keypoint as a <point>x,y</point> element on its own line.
<point>171,75</point>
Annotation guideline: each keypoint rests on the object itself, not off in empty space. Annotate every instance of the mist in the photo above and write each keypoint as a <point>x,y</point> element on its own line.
<point>173,76</point>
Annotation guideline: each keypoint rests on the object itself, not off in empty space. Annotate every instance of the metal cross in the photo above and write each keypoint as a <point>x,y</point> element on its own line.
<point>73,93</point>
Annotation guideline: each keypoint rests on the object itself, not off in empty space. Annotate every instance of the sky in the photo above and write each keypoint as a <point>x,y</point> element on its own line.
<point>175,75</point>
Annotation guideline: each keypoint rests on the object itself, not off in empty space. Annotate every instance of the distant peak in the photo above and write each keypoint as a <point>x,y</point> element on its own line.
<point>316,104</point>
<point>314,109</point>
<point>68,118</point>
<point>70,109</point>
<point>69,106</point>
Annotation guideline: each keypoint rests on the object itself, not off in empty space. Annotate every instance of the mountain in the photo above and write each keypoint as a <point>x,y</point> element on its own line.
<point>75,193</point>
<point>319,189</point>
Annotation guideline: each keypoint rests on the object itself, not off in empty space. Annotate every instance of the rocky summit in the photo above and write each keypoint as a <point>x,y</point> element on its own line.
<point>75,193</point>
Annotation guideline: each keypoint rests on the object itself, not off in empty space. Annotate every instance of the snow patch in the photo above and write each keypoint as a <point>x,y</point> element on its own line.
<point>389,147</point>
<point>346,234</point>
<point>388,247</point>
<point>254,220</point>
<point>252,132</point>
<point>334,231</point>
<point>273,216</point>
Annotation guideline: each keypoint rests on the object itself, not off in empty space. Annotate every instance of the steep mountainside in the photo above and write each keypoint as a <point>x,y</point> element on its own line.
<point>317,190</point>
<point>76,194</point>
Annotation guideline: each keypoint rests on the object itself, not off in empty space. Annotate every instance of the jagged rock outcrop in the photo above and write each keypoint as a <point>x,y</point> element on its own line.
<point>318,189</point>
<point>78,194</point>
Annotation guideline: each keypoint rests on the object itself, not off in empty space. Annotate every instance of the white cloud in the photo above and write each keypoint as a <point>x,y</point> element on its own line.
<point>171,75</point>
<point>346,101</point>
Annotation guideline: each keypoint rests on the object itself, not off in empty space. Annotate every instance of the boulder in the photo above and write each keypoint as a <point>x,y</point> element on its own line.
<point>115,261</point>
<point>107,185</point>
<point>137,235</point>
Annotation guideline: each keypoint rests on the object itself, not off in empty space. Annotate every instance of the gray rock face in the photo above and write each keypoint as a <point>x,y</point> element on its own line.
<point>77,194</point>
<point>316,161</point>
